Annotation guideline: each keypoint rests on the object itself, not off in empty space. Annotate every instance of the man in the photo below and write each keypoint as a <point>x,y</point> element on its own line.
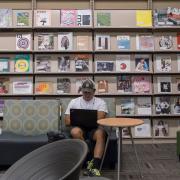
<point>88,101</point>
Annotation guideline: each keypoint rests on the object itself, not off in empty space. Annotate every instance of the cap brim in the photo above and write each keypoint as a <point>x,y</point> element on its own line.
<point>87,90</point>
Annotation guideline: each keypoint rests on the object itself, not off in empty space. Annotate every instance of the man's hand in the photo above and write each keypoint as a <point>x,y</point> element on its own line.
<point>67,120</point>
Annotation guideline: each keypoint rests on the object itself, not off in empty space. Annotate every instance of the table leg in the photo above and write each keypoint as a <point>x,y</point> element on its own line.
<point>119,151</point>
<point>132,140</point>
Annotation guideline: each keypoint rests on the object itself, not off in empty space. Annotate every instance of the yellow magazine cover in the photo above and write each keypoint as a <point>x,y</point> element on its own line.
<point>144,18</point>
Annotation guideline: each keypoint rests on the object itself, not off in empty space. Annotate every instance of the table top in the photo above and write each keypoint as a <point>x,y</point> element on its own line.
<point>120,122</point>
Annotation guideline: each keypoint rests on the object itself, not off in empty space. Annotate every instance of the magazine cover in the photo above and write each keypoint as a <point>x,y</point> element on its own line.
<point>4,64</point>
<point>178,62</point>
<point>45,42</point>
<point>178,41</point>
<point>102,42</point>
<point>164,84</point>
<point>176,105</point>
<point>1,107</point>
<point>166,42</point>
<point>43,63</point>
<point>69,18</point>
<point>64,63</point>
<point>83,43</point>
<point>124,84</point>
<point>22,63</point>
<point>22,87</point>
<point>123,42</point>
<point>84,17</point>
<point>143,18</point>
<point>102,86</point>
<point>144,105</point>
<point>4,85</point>
<point>63,85</point>
<point>22,18</point>
<point>160,128</point>
<point>163,63</point>
<point>177,84</point>
<point>144,42</point>
<point>103,19</point>
<point>104,66</point>
<point>44,87</point>
<point>43,18</point>
<point>142,64</point>
<point>65,41</point>
<point>81,63</point>
<point>173,15</point>
<point>23,42</point>
<point>5,17</point>
<point>141,84</point>
<point>143,130</point>
<point>123,63</point>
<point>163,105</point>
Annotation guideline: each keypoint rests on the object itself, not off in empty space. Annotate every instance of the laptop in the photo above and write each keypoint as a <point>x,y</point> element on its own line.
<point>83,118</point>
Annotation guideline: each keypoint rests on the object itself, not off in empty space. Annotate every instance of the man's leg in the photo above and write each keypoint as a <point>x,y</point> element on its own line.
<point>77,133</point>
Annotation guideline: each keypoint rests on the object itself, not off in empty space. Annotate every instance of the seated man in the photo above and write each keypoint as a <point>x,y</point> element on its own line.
<point>88,101</point>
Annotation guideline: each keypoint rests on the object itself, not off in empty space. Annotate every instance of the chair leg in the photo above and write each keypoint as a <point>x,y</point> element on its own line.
<point>105,149</point>
<point>132,140</point>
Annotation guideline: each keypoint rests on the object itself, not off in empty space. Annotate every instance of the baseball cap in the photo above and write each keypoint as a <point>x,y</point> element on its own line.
<point>88,85</point>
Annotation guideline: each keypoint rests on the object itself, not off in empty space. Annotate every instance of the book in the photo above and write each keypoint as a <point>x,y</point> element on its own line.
<point>69,17</point>
<point>123,63</point>
<point>164,84</point>
<point>141,84</point>
<point>45,41</point>
<point>83,43</point>
<point>142,64</point>
<point>4,85</point>
<point>162,105</point>
<point>103,19</point>
<point>160,18</point>
<point>22,63</point>
<point>22,18</point>
<point>43,63</point>
<point>65,41</point>
<point>84,17</point>
<point>82,63</point>
<point>177,80</point>
<point>160,128</point>
<point>143,18</point>
<point>5,17</point>
<point>124,84</point>
<point>178,40</point>
<point>102,86</point>
<point>166,42</point>
<point>44,87</point>
<point>22,87</point>
<point>104,66</point>
<point>125,106</point>
<point>64,63</point>
<point>4,64</point>
<point>173,15</point>
<point>144,42</point>
<point>143,130</point>
<point>23,42</point>
<point>163,63</point>
<point>123,42</point>
<point>63,85</point>
<point>143,106</point>
<point>1,107</point>
<point>102,42</point>
<point>176,105</point>
<point>43,18</point>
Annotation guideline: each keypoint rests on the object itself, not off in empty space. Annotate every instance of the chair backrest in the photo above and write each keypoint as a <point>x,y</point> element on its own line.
<point>30,117</point>
<point>60,160</point>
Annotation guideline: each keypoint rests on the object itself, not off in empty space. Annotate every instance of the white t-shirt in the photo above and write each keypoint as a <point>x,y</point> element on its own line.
<point>95,103</point>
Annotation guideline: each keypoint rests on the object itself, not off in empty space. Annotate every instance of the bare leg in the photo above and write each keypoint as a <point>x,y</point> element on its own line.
<point>77,133</point>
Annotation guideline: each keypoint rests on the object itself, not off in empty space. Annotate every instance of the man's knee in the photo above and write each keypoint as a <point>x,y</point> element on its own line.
<point>76,133</point>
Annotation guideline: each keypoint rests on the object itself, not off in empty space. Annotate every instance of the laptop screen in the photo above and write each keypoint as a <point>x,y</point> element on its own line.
<point>83,118</point>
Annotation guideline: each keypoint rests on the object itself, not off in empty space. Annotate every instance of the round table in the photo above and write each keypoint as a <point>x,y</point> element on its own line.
<point>120,123</point>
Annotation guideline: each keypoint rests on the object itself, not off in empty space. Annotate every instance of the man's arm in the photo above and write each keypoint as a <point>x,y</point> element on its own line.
<point>101,114</point>
<point>67,120</point>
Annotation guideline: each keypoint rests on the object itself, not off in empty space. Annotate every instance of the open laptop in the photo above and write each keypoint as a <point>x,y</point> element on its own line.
<point>84,118</point>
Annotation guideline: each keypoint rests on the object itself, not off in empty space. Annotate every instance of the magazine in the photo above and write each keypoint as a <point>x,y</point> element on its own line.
<point>102,86</point>
<point>82,63</point>
<point>166,42</point>
<point>44,87</point>
<point>23,42</point>
<point>84,17</point>
<point>1,107</point>
<point>83,43</point>
<point>22,63</point>
<point>4,85</point>
<point>123,42</point>
<point>64,63</point>
<point>5,17</point>
<point>104,66</point>
<point>164,84</point>
<point>163,63</point>
<point>102,42</point>
<point>43,18</point>
<point>63,85</point>
<point>142,64</point>
<point>69,18</point>
<point>173,15</point>
<point>123,63</point>
<point>162,105</point>
<point>65,41</point>
<point>144,42</point>
<point>45,42</point>
<point>22,18</point>
<point>22,87</point>
<point>43,63</point>
<point>160,128</point>
<point>124,84</point>
<point>144,106</point>
<point>178,41</point>
<point>4,64</point>
<point>103,19</point>
<point>176,105</point>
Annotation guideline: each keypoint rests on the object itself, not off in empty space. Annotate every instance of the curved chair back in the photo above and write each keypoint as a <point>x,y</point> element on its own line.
<point>60,160</point>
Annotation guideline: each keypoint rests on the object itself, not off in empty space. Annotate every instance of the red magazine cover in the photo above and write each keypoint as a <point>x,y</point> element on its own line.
<point>178,41</point>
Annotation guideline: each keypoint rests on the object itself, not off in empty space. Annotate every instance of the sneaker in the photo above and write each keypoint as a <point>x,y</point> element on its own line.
<point>88,168</point>
<point>94,172</point>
